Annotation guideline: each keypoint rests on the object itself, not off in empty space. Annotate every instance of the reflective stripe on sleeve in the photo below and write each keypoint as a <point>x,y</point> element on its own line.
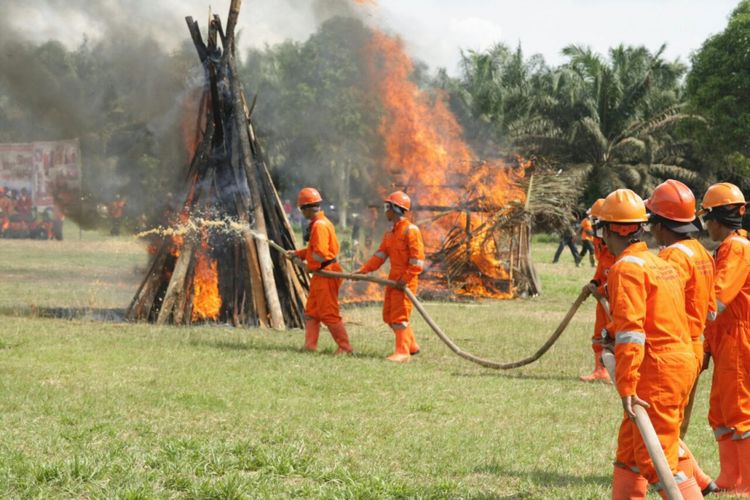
<point>711,316</point>
<point>400,326</point>
<point>685,249</point>
<point>381,255</point>
<point>318,258</point>
<point>409,228</point>
<point>628,337</point>
<point>416,262</point>
<point>740,437</point>
<point>720,306</point>
<point>740,239</point>
<point>633,259</point>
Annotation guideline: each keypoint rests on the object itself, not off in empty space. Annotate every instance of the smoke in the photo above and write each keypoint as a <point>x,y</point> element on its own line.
<point>117,75</point>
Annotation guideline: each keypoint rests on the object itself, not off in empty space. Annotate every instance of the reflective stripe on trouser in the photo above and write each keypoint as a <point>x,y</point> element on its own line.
<point>397,307</point>
<point>730,387</point>
<point>323,299</point>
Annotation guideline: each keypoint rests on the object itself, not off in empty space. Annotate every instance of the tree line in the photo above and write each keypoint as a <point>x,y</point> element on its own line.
<point>629,117</point>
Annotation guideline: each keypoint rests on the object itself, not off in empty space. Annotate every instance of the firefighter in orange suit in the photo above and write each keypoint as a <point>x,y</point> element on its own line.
<point>604,260</point>
<point>672,220</point>
<point>728,336</point>
<point>651,344</point>
<point>320,254</point>
<point>587,238</point>
<point>403,245</point>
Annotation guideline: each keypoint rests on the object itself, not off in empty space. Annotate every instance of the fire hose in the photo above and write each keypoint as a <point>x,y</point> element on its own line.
<point>432,324</point>
<point>642,420</point>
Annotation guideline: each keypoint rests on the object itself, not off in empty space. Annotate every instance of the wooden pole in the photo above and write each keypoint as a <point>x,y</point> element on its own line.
<point>264,253</point>
<point>176,283</point>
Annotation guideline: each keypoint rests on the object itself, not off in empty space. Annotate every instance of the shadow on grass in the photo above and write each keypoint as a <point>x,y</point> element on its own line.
<point>545,478</point>
<point>268,346</point>
<point>111,315</point>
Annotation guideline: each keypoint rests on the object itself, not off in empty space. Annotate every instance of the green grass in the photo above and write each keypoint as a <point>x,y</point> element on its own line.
<point>94,409</point>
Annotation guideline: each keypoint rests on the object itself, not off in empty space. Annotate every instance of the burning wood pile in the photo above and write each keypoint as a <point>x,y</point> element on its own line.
<point>208,266</point>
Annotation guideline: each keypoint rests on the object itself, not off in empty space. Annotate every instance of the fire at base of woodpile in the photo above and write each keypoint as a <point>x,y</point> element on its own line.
<point>208,266</point>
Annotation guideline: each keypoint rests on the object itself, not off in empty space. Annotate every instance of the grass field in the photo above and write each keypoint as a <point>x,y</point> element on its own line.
<point>95,409</point>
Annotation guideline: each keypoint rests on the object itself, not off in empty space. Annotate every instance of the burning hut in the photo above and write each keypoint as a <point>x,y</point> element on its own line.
<point>208,265</point>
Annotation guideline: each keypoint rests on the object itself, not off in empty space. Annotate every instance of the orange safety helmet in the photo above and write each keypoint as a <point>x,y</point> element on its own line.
<point>722,194</point>
<point>596,208</point>
<point>623,206</point>
<point>308,196</point>
<point>400,199</point>
<point>672,200</point>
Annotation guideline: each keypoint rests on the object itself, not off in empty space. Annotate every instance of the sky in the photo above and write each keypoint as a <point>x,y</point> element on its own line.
<point>433,30</point>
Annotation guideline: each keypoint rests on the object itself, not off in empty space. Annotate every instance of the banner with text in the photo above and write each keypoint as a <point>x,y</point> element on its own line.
<point>45,169</point>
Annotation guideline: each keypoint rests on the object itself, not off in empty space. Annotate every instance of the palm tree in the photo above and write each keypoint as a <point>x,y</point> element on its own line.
<point>612,117</point>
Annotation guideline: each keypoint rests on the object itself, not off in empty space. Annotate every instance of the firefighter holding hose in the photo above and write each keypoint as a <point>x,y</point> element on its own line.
<point>403,245</point>
<point>728,336</point>
<point>651,344</point>
<point>321,254</point>
<point>672,220</point>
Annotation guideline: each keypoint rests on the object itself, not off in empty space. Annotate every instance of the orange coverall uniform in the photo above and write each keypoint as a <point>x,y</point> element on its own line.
<point>404,247</point>
<point>587,237</point>
<point>653,352</point>
<point>728,341</point>
<point>696,269</point>
<point>323,300</point>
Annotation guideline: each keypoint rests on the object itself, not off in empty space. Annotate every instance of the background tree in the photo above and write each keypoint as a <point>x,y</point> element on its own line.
<point>316,114</point>
<point>612,116</point>
<point>718,87</point>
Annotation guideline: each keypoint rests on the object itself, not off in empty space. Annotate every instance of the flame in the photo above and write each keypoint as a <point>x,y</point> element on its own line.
<point>361,292</point>
<point>425,154</point>
<point>206,297</point>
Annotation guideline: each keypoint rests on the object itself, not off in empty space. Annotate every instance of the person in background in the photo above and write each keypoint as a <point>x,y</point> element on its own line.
<point>567,237</point>
<point>24,205</point>
<point>7,207</point>
<point>587,238</point>
<point>403,245</point>
<point>117,212</point>
<point>321,253</point>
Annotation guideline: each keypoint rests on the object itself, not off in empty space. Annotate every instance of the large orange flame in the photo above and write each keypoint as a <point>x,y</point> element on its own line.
<point>425,154</point>
<point>206,297</point>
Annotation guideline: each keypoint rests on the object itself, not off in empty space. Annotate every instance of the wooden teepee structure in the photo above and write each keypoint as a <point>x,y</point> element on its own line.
<point>212,268</point>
